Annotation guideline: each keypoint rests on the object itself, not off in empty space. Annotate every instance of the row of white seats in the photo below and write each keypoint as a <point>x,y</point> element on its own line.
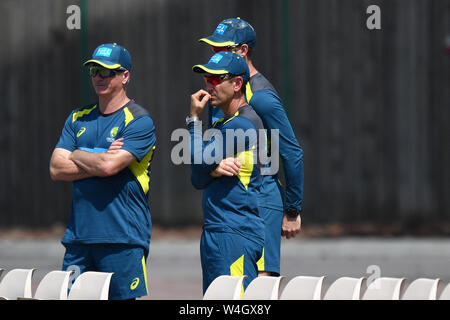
<point>16,284</point>
<point>311,288</point>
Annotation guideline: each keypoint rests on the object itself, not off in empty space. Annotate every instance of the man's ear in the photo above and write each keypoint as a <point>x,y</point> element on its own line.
<point>244,50</point>
<point>238,83</point>
<point>126,77</point>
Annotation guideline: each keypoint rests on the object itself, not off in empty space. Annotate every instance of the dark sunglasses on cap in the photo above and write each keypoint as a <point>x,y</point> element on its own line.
<point>216,79</point>
<point>103,72</point>
<point>228,48</point>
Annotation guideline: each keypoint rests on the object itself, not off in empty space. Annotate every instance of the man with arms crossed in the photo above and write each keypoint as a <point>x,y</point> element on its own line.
<point>106,149</point>
<point>237,35</point>
<point>233,233</point>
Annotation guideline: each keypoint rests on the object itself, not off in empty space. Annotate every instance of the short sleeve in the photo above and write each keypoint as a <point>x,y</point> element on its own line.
<point>139,137</point>
<point>67,138</point>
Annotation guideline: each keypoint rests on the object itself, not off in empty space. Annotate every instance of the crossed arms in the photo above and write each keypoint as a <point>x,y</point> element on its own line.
<point>78,164</point>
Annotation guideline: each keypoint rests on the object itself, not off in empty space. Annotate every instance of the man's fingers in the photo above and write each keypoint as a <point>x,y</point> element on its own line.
<point>228,167</point>
<point>115,146</point>
<point>201,92</point>
<point>117,142</point>
<point>226,173</point>
<point>290,227</point>
<point>198,102</point>
<point>288,234</point>
<point>233,170</point>
<point>231,167</point>
<point>200,95</point>
<point>205,98</point>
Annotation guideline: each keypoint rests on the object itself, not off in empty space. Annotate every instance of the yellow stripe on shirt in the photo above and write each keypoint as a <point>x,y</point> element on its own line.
<point>248,92</point>
<point>140,170</point>
<point>145,273</point>
<point>245,173</point>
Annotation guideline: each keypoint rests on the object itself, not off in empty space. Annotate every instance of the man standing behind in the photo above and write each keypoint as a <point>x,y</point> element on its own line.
<point>106,149</point>
<point>237,35</point>
<point>233,232</point>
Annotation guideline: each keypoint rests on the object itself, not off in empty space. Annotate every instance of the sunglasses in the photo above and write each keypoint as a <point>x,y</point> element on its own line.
<point>103,72</point>
<point>217,78</point>
<point>228,48</point>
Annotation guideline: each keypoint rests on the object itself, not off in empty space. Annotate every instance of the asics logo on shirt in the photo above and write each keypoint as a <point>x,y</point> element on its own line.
<point>134,284</point>
<point>81,131</point>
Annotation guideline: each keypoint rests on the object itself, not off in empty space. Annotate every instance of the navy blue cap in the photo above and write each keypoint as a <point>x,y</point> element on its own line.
<point>230,32</point>
<point>111,56</point>
<point>225,62</point>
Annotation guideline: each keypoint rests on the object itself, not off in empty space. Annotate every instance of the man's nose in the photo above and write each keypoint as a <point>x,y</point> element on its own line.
<point>209,87</point>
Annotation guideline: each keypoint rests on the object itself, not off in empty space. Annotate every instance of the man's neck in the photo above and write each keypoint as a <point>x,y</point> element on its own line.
<point>112,103</point>
<point>251,67</point>
<point>233,106</point>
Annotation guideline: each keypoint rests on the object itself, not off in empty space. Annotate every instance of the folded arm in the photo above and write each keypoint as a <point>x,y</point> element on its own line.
<point>64,169</point>
<point>71,166</point>
<point>103,164</point>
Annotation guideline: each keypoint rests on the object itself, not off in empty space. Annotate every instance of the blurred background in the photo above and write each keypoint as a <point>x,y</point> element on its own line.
<point>370,108</point>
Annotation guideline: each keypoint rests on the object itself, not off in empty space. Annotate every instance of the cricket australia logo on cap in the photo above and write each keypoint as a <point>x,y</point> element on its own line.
<point>221,28</point>
<point>104,52</point>
<point>216,58</point>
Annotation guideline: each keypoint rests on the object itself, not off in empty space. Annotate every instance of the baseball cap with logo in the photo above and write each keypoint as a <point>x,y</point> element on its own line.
<point>111,56</point>
<point>225,62</point>
<point>232,31</point>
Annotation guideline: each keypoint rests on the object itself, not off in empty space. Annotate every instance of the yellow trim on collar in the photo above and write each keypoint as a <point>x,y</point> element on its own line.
<point>231,118</point>
<point>221,119</point>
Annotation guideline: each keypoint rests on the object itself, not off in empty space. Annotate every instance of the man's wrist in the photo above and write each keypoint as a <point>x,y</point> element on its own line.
<point>292,213</point>
<point>192,118</point>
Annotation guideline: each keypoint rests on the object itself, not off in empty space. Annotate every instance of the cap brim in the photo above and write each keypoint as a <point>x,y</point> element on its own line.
<point>216,41</point>
<point>200,68</point>
<point>103,64</point>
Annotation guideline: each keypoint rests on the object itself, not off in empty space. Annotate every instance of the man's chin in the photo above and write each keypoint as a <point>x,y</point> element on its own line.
<point>101,92</point>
